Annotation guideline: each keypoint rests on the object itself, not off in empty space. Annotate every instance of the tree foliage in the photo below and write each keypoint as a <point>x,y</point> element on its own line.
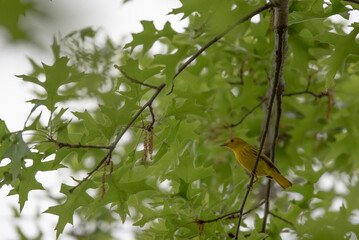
<point>170,176</point>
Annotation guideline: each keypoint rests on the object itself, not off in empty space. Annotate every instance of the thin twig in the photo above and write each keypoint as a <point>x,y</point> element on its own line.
<point>257,158</point>
<point>250,210</point>
<point>135,80</point>
<point>153,118</point>
<point>309,82</point>
<point>247,114</point>
<point>148,103</point>
<point>280,23</point>
<point>279,94</point>
<point>235,83</point>
<point>266,205</point>
<point>216,38</point>
<point>268,78</point>
<point>271,100</point>
<point>283,219</point>
<point>114,144</point>
<point>229,215</point>
<point>93,170</point>
<point>280,51</point>
<point>317,95</point>
<point>62,144</point>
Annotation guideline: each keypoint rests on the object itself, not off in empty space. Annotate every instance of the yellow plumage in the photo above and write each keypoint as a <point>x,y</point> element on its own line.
<point>246,155</point>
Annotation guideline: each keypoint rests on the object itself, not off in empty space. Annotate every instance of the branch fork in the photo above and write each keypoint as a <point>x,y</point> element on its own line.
<point>106,160</point>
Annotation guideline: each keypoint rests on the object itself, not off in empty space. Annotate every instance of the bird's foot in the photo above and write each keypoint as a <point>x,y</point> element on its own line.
<point>255,177</point>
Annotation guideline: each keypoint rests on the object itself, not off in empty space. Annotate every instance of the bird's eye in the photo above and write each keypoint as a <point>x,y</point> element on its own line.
<point>232,140</point>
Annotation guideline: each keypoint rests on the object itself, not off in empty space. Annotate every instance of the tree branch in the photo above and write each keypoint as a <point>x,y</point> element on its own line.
<point>229,215</point>
<point>283,219</point>
<point>216,38</point>
<point>62,144</point>
<point>135,80</point>
<point>153,118</point>
<point>94,170</point>
<point>247,114</point>
<point>257,158</point>
<point>280,24</point>
<point>124,130</point>
<point>317,95</point>
<point>272,152</point>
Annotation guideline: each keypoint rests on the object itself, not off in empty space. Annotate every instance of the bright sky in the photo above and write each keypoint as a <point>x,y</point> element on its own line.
<point>116,20</point>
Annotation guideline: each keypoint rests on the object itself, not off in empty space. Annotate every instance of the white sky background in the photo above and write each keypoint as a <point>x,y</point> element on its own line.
<point>116,20</point>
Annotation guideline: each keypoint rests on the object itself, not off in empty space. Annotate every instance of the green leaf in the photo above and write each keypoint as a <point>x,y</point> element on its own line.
<point>17,151</point>
<point>74,200</point>
<point>189,107</point>
<point>188,172</point>
<point>28,181</point>
<point>149,35</point>
<point>132,69</point>
<point>10,12</point>
<point>4,138</point>
<point>56,75</point>
<point>343,47</point>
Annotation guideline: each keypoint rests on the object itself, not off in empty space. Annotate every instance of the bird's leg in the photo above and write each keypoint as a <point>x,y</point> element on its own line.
<point>249,187</point>
<point>255,179</point>
<point>255,176</point>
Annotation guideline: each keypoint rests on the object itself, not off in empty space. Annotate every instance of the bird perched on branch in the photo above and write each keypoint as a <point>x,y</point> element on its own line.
<point>246,155</point>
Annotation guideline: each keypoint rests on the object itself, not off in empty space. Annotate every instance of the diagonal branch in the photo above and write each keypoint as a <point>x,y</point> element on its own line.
<point>147,104</point>
<point>317,95</point>
<point>230,215</point>
<point>281,19</point>
<point>62,144</point>
<point>153,118</point>
<point>283,219</point>
<point>118,138</point>
<point>271,101</point>
<point>216,38</point>
<point>246,115</point>
<point>279,94</point>
<point>135,80</point>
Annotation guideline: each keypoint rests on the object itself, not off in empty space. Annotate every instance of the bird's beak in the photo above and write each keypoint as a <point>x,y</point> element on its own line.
<point>223,145</point>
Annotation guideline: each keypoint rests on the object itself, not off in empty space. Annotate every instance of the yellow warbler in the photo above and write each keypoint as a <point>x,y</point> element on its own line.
<point>246,155</point>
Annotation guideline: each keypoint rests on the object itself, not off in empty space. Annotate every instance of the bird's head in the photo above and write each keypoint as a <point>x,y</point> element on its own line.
<point>233,143</point>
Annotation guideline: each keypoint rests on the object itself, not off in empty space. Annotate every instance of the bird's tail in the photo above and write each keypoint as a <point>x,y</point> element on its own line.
<point>281,180</point>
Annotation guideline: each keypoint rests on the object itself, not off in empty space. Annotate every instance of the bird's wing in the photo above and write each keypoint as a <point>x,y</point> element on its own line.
<point>264,158</point>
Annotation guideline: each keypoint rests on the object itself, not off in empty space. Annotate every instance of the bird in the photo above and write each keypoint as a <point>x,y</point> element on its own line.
<point>246,155</point>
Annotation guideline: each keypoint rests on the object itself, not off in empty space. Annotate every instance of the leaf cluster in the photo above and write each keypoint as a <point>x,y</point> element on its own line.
<point>189,177</point>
